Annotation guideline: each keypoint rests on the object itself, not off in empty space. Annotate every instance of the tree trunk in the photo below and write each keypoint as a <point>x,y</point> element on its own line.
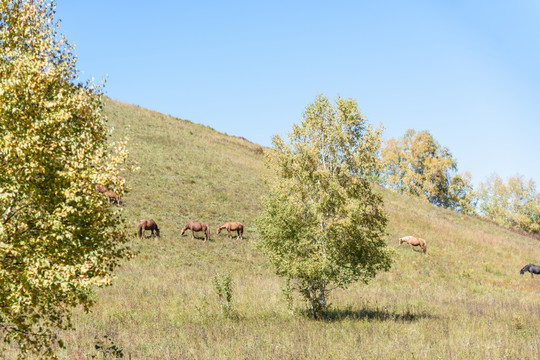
<point>317,299</point>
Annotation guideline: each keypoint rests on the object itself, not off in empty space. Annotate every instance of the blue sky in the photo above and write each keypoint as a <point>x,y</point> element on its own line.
<point>466,71</point>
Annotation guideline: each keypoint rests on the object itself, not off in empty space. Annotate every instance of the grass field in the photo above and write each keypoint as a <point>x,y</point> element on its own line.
<point>465,299</point>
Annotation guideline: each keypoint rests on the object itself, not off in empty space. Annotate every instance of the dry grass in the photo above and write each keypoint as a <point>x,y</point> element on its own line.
<point>465,299</point>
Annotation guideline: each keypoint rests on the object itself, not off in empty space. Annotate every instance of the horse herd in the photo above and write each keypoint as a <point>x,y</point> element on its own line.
<point>194,226</point>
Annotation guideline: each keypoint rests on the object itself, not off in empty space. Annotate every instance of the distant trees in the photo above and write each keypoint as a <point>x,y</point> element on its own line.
<point>515,203</point>
<point>58,237</point>
<point>418,165</point>
<point>322,226</point>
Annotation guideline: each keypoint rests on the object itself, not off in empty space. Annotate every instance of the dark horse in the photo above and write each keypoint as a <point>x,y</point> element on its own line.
<point>148,225</point>
<point>196,226</point>
<point>233,226</point>
<point>533,269</point>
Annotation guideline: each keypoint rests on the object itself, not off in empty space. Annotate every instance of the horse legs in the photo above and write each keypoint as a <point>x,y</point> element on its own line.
<point>229,232</point>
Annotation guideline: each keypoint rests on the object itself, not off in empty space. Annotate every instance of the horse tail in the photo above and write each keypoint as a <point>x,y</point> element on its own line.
<point>140,231</point>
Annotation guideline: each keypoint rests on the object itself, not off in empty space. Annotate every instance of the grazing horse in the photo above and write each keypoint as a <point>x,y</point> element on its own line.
<point>196,226</point>
<point>233,226</point>
<point>414,241</point>
<point>533,269</point>
<point>148,225</point>
<point>108,193</point>
<point>112,195</point>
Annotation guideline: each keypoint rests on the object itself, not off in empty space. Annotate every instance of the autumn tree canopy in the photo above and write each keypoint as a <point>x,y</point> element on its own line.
<point>418,165</point>
<point>514,203</point>
<point>59,238</point>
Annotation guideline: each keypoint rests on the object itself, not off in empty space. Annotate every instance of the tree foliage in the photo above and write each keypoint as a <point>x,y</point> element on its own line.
<point>515,204</point>
<point>59,238</point>
<point>418,165</point>
<point>322,224</point>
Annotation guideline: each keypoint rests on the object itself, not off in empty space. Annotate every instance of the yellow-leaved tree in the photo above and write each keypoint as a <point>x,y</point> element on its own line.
<point>418,165</point>
<point>59,238</point>
<point>515,204</point>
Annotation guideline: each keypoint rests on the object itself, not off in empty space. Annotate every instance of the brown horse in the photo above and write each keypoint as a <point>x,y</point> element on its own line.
<point>119,183</point>
<point>233,226</point>
<point>108,193</point>
<point>414,241</point>
<point>101,189</point>
<point>148,225</point>
<point>112,195</point>
<point>196,226</point>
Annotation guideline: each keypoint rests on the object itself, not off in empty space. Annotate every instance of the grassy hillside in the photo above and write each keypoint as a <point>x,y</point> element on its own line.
<point>464,300</point>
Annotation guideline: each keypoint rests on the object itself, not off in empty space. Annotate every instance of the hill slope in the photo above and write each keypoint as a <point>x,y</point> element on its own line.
<point>464,299</point>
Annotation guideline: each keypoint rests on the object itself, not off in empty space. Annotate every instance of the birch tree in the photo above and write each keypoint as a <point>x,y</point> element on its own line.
<point>322,225</point>
<point>59,238</point>
<point>416,164</point>
<point>514,203</point>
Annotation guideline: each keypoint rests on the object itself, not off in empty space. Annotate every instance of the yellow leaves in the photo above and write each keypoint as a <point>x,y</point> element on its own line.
<point>416,164</point>
<point>514,203</point>
<point>49,104</point>
<point>61,238</point>
<point>86,267</point>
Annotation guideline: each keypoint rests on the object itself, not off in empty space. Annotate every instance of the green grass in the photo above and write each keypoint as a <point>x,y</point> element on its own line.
<point>465,299</point>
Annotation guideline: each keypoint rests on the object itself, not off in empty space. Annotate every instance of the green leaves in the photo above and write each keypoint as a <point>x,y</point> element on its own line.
<point>59,238</point>
<point>322,225</point>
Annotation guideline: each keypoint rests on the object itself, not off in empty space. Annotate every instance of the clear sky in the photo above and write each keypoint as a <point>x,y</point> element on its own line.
<point>468,71</point>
